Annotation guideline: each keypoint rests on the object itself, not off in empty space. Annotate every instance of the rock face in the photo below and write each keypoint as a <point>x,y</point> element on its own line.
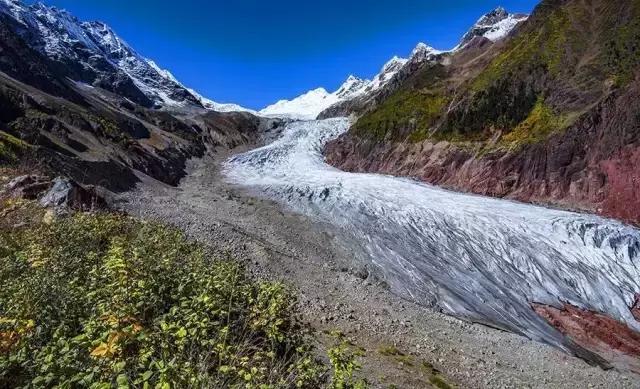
<point>28,187</point>
<point>538,117</point>
<point>61,194</point>
<point>635,309</point>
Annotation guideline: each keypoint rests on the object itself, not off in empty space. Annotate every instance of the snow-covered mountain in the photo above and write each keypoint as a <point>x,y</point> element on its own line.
<point>309,105</point>
<point>91,52</point>
<point>495,25</point>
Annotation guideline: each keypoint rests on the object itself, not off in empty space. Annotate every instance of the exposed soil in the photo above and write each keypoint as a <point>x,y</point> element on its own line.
<point>405,344</point>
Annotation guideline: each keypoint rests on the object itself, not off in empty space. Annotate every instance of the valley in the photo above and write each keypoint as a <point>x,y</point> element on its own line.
<point>464,218</point>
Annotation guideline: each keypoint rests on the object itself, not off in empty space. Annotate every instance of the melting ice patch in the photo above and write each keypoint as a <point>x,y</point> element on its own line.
<point>474,257</point>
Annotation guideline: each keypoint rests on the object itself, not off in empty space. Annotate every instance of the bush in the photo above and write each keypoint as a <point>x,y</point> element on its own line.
<point>344,361</point>
<point>103,300</point>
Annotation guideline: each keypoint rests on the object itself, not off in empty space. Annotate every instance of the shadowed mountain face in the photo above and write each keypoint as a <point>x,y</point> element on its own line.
<point>550,115</point>
<point>100,133</point>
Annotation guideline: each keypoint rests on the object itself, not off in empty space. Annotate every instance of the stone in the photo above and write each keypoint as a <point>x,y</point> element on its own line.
<point>66,194</point>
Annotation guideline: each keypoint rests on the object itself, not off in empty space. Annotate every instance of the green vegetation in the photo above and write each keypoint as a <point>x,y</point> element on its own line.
<point>10,148</point>
<point>502,96</point>
<point>104,300</point>
<point>110,130</point>
<point>436,379</point>
<point>623,48</point>
<point>399,356</point>
<point>343,357</point>
<point>411,110</point>
<point>536,48</point>
<point>537,127</point>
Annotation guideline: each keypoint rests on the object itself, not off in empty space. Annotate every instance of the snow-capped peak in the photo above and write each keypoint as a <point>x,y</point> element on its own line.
<point>423,52</point>
<point>220,107</point>
<point>352,87</point>
<point>386,74</point>
<point>98,56</point>
<point>305,107</point>
<point>164,72</point>
<point>495,25</point>
<point>394,64</point>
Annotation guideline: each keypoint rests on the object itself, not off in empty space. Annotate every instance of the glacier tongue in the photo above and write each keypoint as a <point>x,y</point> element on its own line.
<point>478,258</point>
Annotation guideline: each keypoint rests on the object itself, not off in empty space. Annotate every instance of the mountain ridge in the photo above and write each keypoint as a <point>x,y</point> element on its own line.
<point>93,53</point>
<point>494,26</point>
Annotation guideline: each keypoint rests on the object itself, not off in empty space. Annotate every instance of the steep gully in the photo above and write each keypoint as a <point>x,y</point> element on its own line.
<point>553,276</point>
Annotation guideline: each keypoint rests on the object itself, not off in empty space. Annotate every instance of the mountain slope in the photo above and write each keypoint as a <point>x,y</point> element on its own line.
<point>91,52</point>
<point>490,29</point>
<point>550,115</point>
<point>95,135</point>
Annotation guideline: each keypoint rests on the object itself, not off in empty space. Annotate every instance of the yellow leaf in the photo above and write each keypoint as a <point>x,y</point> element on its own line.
<point>101,351</point>
<point>109,349</point>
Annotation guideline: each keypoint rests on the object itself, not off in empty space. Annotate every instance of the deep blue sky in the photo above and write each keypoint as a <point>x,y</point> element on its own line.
<point>255,52</point>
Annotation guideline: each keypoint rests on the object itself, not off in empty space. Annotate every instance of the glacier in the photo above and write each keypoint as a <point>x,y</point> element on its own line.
<point>481,259</point>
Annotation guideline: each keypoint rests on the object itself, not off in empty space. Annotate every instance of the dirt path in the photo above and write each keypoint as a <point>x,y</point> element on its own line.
<point>404,344</point>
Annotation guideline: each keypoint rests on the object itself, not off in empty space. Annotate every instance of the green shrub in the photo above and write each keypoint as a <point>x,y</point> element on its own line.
<point>343,357</point>
<point>623,48</point>
<point>103,300</point>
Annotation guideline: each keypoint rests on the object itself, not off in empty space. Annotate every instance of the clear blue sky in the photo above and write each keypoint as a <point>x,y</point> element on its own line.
<point>255,52</point>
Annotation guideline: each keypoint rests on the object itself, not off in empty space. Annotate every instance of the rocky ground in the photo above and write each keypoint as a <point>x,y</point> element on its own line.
<point>405,345</point>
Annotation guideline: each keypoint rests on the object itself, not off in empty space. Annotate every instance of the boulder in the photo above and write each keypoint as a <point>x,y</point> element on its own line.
<point>66,194</point>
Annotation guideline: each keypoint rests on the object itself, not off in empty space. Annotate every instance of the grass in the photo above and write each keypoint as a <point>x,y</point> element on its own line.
<point>435,377</point>
<point>105,300</point>
<point>11,148</point>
